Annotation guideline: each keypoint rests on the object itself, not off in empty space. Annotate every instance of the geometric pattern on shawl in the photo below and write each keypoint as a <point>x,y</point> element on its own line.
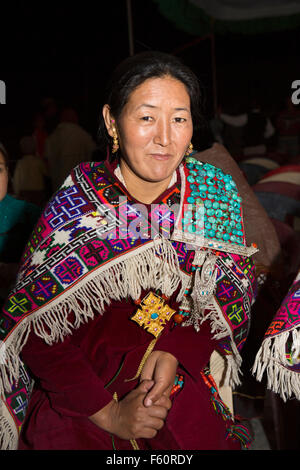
<point>279,354</point>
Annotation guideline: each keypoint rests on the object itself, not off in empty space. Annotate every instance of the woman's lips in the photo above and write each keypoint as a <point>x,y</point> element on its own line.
<point>160,156</point>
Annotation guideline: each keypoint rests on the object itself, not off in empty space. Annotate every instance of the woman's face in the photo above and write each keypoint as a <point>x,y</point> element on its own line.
<point>3,177</point>
<point>155,128</point>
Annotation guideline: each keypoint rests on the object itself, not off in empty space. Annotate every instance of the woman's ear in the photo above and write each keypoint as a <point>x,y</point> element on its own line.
<point>108,120</point>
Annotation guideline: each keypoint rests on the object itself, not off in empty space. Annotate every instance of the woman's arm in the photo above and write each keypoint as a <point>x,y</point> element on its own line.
<point>74,389</point>
<point>68,378</point>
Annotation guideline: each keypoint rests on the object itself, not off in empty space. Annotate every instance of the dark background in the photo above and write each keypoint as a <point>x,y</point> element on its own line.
<point>67,51</point>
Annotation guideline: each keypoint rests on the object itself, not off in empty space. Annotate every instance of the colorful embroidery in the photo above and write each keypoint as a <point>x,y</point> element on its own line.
<point>279,354</point>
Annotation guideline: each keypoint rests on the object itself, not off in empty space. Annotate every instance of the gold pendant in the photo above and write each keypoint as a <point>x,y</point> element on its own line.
<point>153,314</point>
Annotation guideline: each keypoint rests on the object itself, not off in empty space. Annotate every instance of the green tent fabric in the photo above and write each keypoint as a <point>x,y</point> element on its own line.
<point>195,16</point>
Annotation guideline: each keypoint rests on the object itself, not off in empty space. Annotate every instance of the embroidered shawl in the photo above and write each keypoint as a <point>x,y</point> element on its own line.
<point>94,243</point>
<point>279,354</point>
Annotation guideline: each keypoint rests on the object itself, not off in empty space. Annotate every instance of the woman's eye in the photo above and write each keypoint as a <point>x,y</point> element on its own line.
<point>146,118</point>
<point>180,119</point>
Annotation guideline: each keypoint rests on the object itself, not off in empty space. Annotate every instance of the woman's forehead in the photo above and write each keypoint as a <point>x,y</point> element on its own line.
<point>156,91</point>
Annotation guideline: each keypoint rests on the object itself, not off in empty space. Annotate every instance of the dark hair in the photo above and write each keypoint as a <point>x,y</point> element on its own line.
<point>5,154</point>
<point>134,70</point>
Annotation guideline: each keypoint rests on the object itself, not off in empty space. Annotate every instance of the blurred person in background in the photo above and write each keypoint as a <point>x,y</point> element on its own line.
<point>17,219</point>
<point>67,146</point>
<point>30,175</point>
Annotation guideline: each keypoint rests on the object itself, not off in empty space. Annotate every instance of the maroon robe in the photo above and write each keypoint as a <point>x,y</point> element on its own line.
<point>71,385</point>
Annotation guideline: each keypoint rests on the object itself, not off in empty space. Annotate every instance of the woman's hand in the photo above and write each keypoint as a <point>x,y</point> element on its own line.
<point>129,418</point>
<point>161,368</point>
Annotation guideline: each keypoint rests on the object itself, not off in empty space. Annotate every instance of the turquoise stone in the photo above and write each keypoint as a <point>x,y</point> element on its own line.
<point>219,213</point>
<point>191,179</point>
<point>202,187</point>
<point>219,235</point>
<point>154,316</point>
<point>210,212</point>
<point>208,226</point>
<point>203,195</point>
<point>223,206</point>
<point>212,190</point>
<point>210,173</point>
<point>212,220</point>
<point>191,199</point>
<point>209,181</point>
<point>228,186</point>
<point>226,237</point>
<point>200,180</point>
<point>188,214</point>
<point>193,173</point>
<point>195,193</point>
<point>212,233</point>
<point>191,228</point>
<point>199,200</point>
<point>208,204</point>
<point>210,196</point>
<point>227,178</point>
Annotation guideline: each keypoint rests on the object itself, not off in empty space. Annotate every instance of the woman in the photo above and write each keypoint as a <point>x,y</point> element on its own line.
<point>17,219</point>
<point>138,272</point>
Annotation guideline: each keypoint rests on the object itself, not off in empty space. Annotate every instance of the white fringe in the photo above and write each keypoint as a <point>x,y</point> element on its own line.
<point>122,279</point>
<point>8,430</point>
<point>271,358</point>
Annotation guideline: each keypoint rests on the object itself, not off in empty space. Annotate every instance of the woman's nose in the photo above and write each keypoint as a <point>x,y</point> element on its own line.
<point>162,133</point>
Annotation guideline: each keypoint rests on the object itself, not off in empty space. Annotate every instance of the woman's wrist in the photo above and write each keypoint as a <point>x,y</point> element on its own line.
<point>103,418</point>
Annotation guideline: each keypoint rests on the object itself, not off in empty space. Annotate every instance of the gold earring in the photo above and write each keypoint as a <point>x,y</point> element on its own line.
<point>115,146</point>
<point>189,150</point>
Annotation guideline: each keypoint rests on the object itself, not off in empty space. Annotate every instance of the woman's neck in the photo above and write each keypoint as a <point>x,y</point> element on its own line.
<point>143,191</point>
